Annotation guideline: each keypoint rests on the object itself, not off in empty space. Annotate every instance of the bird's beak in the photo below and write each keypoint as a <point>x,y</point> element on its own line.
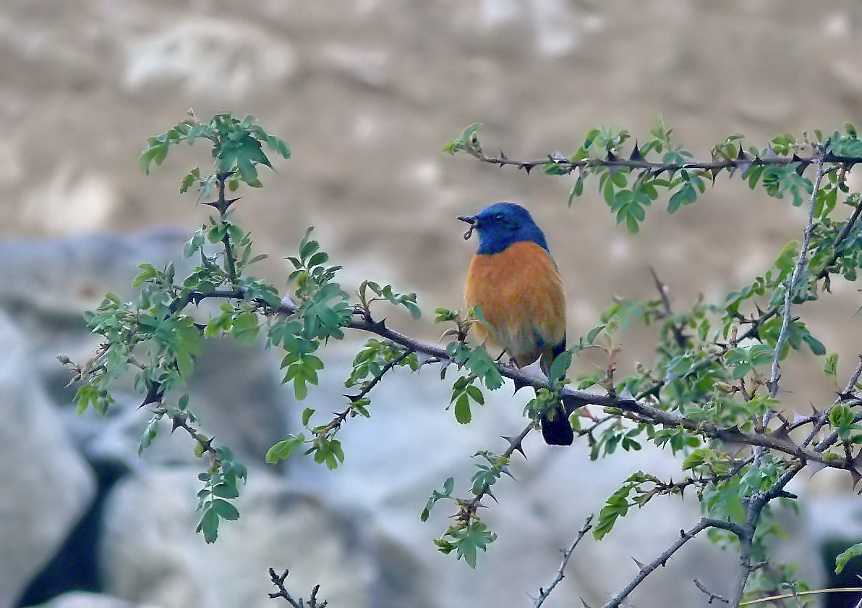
<point>469,220</point>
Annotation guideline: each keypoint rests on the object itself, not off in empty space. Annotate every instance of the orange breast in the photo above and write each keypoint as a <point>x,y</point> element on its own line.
<point>522,300</point>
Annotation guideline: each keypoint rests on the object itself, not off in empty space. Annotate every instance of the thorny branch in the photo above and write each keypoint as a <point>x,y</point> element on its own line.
<point>544,593</point>
<point>792,283</point>
<point>637,162</point>
<point>684,536</point>
<point>758,501</point>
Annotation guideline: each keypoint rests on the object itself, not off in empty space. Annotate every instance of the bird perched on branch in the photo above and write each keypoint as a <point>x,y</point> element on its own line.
<point>515,284</point>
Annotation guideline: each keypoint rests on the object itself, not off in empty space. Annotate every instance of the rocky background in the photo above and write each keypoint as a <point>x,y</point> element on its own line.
<point>366,93</point>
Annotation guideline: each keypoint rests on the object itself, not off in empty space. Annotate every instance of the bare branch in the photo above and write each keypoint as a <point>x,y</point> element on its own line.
<point>544,593</point>
<point>678,336</point>
<point>278,581</point>
<point>684,537</point>
<point>712,596</point>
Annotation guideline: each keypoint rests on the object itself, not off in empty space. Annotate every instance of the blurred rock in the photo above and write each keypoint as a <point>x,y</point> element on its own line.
<point>52,282</point>
<point>46,484</point>
<point>207,56</point>
<point>151,554</point>
<point>79,599</point>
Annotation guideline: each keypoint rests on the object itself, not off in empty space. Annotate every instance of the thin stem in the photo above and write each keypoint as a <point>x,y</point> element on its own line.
<point>792,282</point>
<point>544,593</point>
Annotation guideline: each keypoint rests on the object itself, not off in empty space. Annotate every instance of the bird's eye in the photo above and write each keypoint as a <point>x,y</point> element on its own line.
<point>499,217</point>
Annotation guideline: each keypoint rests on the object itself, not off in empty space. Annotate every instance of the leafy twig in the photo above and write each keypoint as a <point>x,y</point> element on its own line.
<point>792,282</point>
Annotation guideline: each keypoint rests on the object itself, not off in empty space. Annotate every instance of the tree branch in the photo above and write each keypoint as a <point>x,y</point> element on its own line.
<point>755,506</point>
<point>684,537</point>
<point>278,581</point>
<point>544,593</point>
<point>792,282</point>
<point>742,162</point>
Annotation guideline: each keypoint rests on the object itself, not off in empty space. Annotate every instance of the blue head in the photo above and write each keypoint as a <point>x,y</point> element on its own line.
<point>501,225</point>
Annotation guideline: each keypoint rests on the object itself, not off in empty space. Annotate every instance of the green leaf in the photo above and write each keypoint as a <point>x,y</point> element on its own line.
<point>307,413</point>
<point>686,195</point>
<point>830,365</point>
<point>560,366</point>
<point>436,496</point>
<point>471,539</point>
<point>225,510</point>
<point>245,328</point>
<point>464,141</point>
<point>846,555</point>
<point>284,448</point>
<point>208,525</point>
<point>462,410</point>
<point>841,416</point>
<point>577,189</point>
<point>817,347</point>
<point>147,273</point>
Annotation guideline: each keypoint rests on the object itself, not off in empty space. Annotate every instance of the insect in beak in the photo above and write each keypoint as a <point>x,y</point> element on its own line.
<point>471,221</point>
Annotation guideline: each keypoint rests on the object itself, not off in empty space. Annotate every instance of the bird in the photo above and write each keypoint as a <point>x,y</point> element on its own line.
<point>515,284</point>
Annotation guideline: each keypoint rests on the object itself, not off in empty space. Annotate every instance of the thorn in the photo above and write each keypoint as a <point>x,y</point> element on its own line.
<point>586,605</point>
<point>488,492</point>
<point>207,444</point>
<point>176,423</point>
<point>714,171</point>
<point>515,446</point>
<point>506,471</point>
<point>781,433</point>
<point>503,155</point>
<point>527,168</point>
<point>611,156</point>
<point>741,155</point>
<point>154,393</point>
<point>803,164</point>
<point>639,564</point>
<point>378,326</point>
<point>636,153</point>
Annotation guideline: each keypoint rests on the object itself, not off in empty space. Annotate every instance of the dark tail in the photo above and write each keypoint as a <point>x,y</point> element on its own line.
<point>556,428</point>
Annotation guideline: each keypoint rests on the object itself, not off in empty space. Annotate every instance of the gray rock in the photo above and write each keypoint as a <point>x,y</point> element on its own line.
<point>80,599</point>
<point>46,484</point>
<point>150,553</point>
<point>50,283</point>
